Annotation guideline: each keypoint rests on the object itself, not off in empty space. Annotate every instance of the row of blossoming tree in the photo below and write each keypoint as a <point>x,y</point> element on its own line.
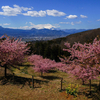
<point>13,53</point>
<point>84,61</point>
<point>43,64</point>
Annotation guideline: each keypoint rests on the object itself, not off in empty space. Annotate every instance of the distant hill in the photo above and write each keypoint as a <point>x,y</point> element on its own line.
<point>72,31</point>
<point>81,37</point>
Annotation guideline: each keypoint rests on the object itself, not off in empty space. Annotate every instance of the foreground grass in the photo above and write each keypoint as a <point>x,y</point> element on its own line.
<point>46,87</point>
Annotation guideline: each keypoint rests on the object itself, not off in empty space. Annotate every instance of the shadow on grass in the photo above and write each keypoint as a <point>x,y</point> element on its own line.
<point>51,77</point>
<point>20,81</point>
<point>27,65</point>
<point>52,71</point>
<point>95,92</point>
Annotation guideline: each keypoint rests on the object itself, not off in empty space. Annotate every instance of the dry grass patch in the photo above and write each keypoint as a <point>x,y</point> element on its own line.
<point>46,87</point>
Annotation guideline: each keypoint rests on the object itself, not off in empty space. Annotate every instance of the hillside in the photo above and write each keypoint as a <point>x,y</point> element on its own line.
<point>81,37</point>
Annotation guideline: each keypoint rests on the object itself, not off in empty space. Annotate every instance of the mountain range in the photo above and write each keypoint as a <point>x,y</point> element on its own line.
<point>71,31</point>
<point>38,32</point>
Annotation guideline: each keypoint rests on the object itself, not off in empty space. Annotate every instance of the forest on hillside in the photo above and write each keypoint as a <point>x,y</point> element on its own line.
<point>47,49</point>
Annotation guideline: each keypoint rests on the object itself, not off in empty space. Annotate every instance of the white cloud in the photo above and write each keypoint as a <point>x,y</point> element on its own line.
<point>83,16</point>
<point>35,13</point>
<point>31,23</point>
<point>6,24</point>
<point>55,13</point>
<point>98,20</point>
<point>43,13</point>
<point>38,26</point>
<point>41,26</point>
<point>13,27</point>
<point>26,9</point>
<point>71,17</point>
<point>16,9</point>
<point>64,22</point>
<point>23,8</point>
<point>24,27</point>
<point>9,11</point>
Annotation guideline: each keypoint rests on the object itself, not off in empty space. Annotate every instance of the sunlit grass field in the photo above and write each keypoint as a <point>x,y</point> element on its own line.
<point>46,87</point>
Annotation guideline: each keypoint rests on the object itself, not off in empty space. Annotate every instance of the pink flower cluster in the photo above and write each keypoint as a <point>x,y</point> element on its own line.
<point>42,65</point>
<point>12,51</point>
<point>84,61</point>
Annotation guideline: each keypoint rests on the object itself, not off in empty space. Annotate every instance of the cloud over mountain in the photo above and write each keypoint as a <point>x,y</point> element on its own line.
<point>41,26</point>
<point>38,26</point>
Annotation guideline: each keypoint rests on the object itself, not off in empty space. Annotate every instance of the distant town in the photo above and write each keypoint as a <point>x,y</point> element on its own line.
<point>40,38</point>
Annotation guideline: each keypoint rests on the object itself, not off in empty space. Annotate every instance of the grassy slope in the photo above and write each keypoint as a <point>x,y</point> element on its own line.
<point>46,87</point>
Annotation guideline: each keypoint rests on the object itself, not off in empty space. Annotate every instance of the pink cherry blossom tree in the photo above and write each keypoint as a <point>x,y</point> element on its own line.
<point>84,61</point>
<point>12,52</point>
<point>42,65</point>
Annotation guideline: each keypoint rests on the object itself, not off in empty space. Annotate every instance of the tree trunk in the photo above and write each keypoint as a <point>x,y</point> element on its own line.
<point>13,78</point>
<point>5,73</point>
<point>32,81</point>
<point>90,87</point>
<point>99,85</point>
<point>41,73</point>
<point>83,82</point>
<point>61,83</point>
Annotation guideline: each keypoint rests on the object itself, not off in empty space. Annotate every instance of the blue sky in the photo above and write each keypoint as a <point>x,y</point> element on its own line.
<point>63,14</point>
